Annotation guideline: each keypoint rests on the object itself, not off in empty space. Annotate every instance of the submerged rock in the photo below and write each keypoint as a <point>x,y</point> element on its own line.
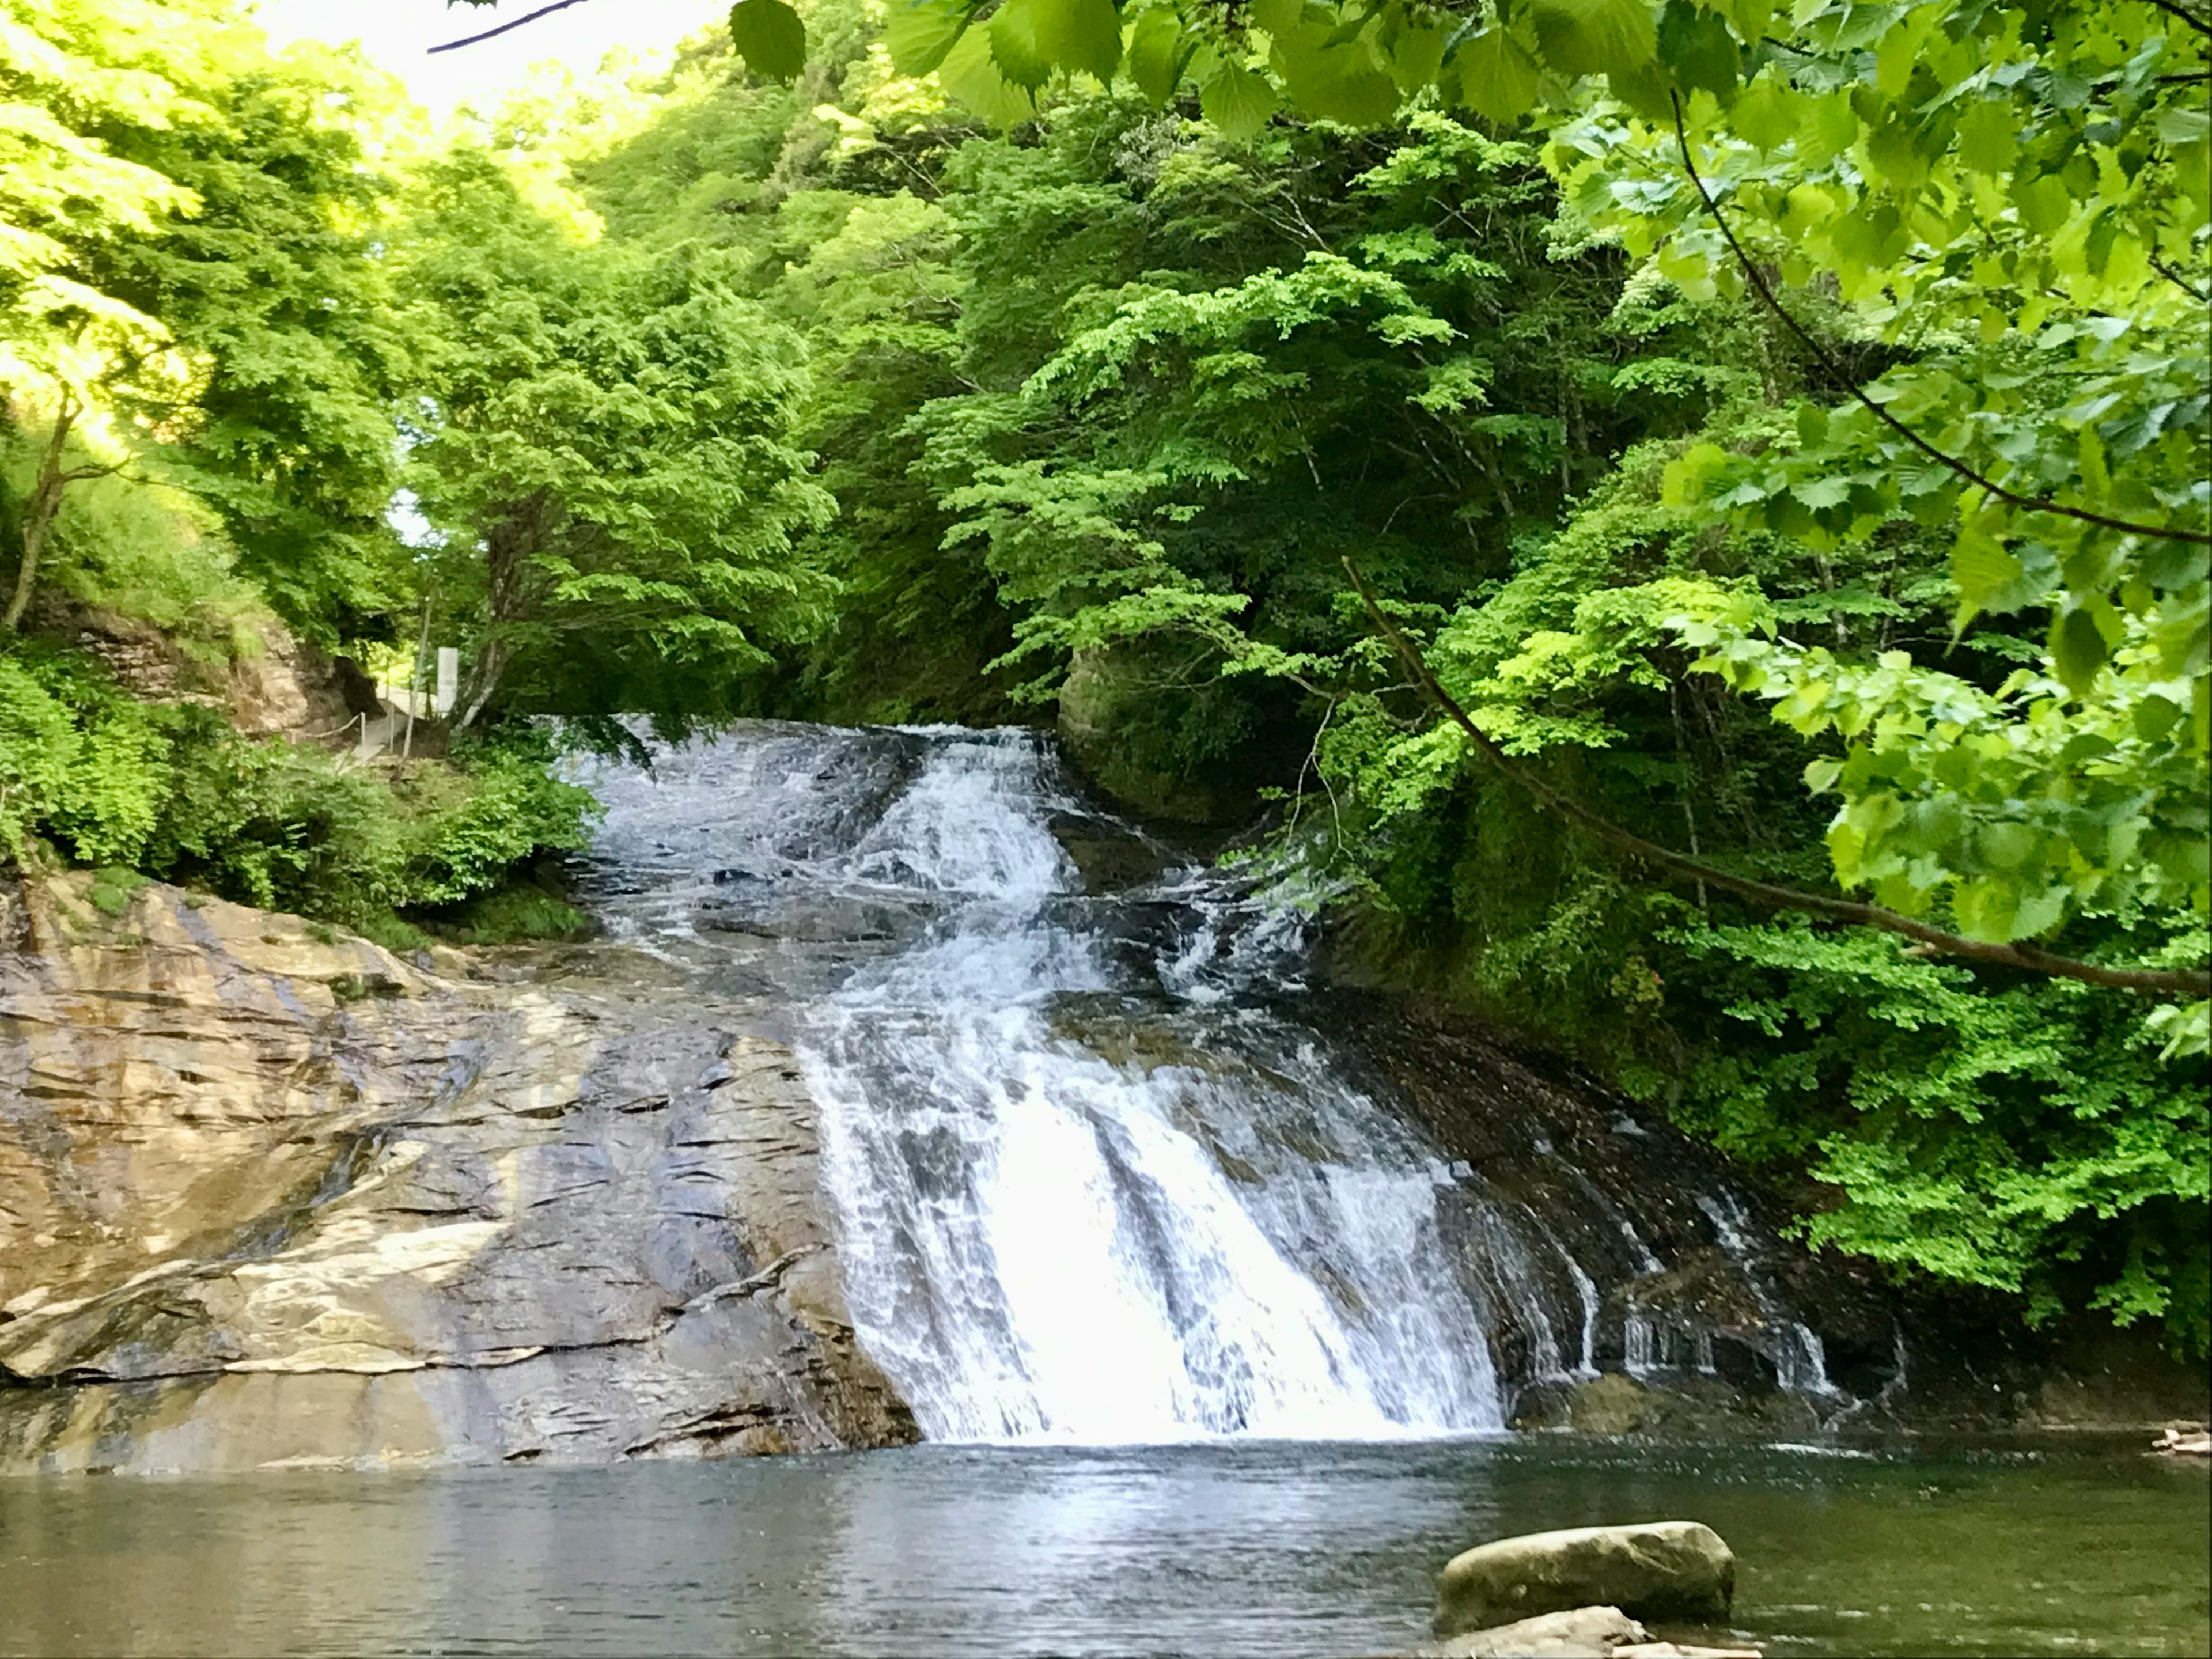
<point>1578,1633</point>
<point>1658,1570</point>
<point>1581,1633</point>
<point>269,1195</point>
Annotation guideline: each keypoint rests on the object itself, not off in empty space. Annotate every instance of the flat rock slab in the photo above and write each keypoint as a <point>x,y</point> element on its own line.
<point>270,1196</point>
<point>1676,1569</point>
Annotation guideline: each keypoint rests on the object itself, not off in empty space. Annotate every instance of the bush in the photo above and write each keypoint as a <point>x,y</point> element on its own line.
<point>78,760</point>
<point>2026,1137</point>
<point>173,791</point>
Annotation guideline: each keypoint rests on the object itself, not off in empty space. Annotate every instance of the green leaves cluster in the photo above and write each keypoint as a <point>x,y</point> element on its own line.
<point>604,439</point>
<point>174,791</point>
<point>2018,1140</point>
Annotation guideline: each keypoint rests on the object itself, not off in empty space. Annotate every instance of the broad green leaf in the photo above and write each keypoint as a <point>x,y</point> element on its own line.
<point>2039,912</point>
<point>1988,137</point>
<point>1985,573</point>
<point>769,36</point>
<point>970,76</point>
<point>1334,80</point>
<point>1082,34</point>
<point>2077,649</point>
<point>2007,846</point>
<point>1696,45</point>
<point>1590,37</point>
<point>1985,910</point>
<point>2043,204</point>
<point>1158,53</point>
<point>919,32</point>
<point>1769,111</point>
<point>1497,77</point>
<point>1417,56</point>
<point>1017,46</point>
<point>1237,100</point>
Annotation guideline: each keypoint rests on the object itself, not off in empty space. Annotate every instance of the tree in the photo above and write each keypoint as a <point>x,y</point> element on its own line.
<point>187,227</point>
<point>73,75</point>
<point>274,281</point>
<point>603,438</point>
<point>2012,203</point>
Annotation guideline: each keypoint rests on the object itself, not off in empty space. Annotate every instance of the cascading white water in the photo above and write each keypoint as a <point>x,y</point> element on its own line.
<point>1040,1241</point>
<point>1090,1183</point>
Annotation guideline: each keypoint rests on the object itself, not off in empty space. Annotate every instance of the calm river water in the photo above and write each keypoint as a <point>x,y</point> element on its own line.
<point>1255,1548</point>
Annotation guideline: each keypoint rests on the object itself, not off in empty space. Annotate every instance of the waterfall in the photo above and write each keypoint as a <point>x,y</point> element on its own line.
<point>1094,1180</point>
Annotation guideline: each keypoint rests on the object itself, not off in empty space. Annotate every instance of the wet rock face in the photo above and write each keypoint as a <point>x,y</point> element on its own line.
<point>270,1196</point>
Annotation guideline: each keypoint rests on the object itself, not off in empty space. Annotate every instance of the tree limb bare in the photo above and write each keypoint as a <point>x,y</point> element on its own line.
<point>489,35</point>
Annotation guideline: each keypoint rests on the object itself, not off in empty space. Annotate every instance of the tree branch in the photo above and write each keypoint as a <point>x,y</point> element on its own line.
<point>2201,25</point>
<point>490,34</point>
<point>2150,981</point>
<point>2177,279</point>
<point>2026,503</point>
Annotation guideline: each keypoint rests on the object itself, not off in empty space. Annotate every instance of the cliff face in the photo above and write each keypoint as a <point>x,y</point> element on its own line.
<point>272,1196</point>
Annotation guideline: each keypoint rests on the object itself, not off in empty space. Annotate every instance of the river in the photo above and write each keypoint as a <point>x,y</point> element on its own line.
<point>1226,1548</point>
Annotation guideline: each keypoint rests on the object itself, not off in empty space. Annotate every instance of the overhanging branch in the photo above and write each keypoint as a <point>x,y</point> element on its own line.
<point>1849,383</point>
<point>2170,7</point>
<point>489,35</point>
<point>2149,981</point>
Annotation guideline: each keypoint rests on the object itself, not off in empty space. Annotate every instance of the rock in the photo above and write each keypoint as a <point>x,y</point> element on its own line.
<point>1658,1570</point>
<point>1108,855</point>
<point>269,1195</point>
<point>1612,1404</point>
<point>1100,708</point>
<point>1578,1633</point>
<point>357,688</point>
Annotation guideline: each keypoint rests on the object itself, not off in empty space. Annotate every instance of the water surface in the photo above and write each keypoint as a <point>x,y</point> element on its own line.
<point>1219,1548</point>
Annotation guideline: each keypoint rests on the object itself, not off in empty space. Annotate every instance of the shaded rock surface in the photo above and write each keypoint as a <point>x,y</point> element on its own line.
<point>1659,1570</point>
<point>270,1195</point>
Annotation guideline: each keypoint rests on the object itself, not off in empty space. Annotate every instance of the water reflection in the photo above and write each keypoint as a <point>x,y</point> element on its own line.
<point>1250,1548</point>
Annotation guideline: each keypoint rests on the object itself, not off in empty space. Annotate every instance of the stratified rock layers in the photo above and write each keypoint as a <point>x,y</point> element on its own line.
<point>270,1196</point>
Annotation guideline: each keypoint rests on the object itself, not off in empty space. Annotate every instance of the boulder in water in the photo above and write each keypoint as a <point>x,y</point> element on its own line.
<point>1578,1633</point>
<point>1661,1569</point>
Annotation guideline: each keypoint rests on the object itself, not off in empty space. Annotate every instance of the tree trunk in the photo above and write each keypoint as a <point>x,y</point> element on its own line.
<point>515,536</point>
<point>38,515</point>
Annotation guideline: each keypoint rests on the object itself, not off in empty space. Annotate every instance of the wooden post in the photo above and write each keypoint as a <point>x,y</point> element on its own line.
<point>415,680</point>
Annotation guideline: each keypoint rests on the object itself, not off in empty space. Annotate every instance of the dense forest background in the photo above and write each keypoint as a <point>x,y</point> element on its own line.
<point>879,393</point>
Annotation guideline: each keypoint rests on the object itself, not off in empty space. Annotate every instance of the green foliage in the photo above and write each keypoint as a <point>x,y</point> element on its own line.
<point>1105,400</point>
<point>173,791</point>
<point>77,762</point>
<point>511,915</point>
<point>806,393</point>
<point>2026,1138</point>
<point>186,270</point>
<point>605,441</point>
<point>113,890</point>
<point>287,827</point>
